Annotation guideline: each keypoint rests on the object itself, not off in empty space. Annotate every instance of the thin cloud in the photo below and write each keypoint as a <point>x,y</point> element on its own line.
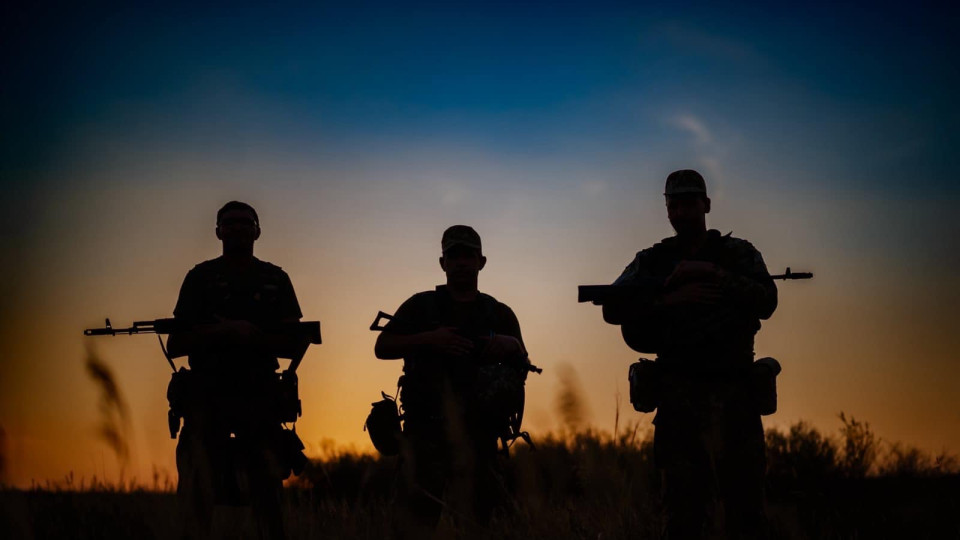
<point>693,125</point>
<point>708,153</point>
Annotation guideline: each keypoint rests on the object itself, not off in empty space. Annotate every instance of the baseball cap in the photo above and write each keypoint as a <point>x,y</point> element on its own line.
<point>685,181</point>
<point>460,235</point>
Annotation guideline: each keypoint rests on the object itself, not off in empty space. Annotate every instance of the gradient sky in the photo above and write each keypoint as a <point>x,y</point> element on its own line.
<point>827,134</point>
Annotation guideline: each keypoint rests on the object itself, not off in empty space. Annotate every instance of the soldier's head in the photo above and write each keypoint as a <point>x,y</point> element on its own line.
<point>238,227</point>
<point>462,257</point>
<point>687,202</point>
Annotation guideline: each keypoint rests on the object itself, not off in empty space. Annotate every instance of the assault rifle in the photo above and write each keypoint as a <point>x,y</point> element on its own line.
<point>648,287</point>
<point>310,330</point>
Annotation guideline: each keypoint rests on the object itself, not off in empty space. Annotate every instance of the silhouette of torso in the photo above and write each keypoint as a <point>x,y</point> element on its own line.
<point>258,292</point>
<point>427,375</point>
<point>724,331</point>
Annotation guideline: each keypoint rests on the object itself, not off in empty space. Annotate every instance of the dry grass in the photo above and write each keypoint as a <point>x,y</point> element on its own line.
<point>583,484</point>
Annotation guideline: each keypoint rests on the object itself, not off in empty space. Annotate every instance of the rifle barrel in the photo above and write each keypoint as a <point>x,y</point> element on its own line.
<point>115,331</point>
<point>793,275</point>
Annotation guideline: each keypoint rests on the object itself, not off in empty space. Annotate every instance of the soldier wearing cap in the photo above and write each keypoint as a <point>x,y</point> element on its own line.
<point>710,292</point>
<point>449,449</point>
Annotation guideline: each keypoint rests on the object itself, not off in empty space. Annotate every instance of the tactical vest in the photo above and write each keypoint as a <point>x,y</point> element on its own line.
<point>702,329</point>
<point>425,374</point>
<point>254,296</point>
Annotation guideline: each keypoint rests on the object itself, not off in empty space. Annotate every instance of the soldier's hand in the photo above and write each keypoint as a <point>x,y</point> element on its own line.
<point>690,271</point>
<point>447,341</point>
<point>693,293</point>
<point>502,346</point>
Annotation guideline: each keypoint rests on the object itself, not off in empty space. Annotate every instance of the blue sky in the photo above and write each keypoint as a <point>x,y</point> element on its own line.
<point>828,82</point>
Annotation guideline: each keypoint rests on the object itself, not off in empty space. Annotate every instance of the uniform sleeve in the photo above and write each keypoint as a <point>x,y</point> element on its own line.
<point>634,304</point>
<point>289,306</point>
<point>408,318</point>
<point>509,325</point>
<point>637,269</point>
<point>190,302</point>
<point>749,284</point>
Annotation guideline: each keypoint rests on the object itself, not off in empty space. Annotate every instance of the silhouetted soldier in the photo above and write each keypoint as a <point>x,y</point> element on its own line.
<point>710,293</point>
<point>230,419</point>
<point>449,447</point>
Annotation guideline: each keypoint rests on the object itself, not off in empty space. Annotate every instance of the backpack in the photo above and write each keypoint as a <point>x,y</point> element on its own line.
<point>383,425</point>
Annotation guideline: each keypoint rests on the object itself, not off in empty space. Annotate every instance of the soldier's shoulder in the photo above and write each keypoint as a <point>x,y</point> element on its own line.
<point>424,295</point>
<point>269,271</point>
<point>269,267</point>
<point>737,244</point>
<point>658,249</point>
<point>487,297</point>
<point>496,303</point>
<point>421,298</point>
<point>206,267</point>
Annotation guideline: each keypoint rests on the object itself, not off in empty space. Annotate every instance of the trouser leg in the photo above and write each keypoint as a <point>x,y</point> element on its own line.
<point>685,484</point>
<point>260,461</point>
<point>197,450</point>
<point>422,483</point>
<point>742,470</point>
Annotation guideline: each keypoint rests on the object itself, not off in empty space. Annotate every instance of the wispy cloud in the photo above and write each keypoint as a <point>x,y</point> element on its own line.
<point>708,151</point>
<point>693,125</point>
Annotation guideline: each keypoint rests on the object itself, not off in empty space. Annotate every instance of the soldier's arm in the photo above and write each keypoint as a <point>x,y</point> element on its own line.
<point>391,346</point>
<point>631,308</point>
<point>228,334</point>
<point>283,344</point>
<point>507,342</point>
<point>396,342</point>
<point>199,338</point>
<point>749,285</point>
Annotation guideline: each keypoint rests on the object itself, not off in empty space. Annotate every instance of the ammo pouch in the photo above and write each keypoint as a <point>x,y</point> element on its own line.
<point>763,384</point>
<point>288,397</point>
<point>179,393</point>
<point>644,385</point>
<point>383,425</point>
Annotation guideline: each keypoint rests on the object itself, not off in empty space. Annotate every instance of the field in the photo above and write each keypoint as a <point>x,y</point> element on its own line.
<point>574,485</point>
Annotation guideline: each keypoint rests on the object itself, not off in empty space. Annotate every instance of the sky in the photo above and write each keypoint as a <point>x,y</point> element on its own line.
<point>827,135</point>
